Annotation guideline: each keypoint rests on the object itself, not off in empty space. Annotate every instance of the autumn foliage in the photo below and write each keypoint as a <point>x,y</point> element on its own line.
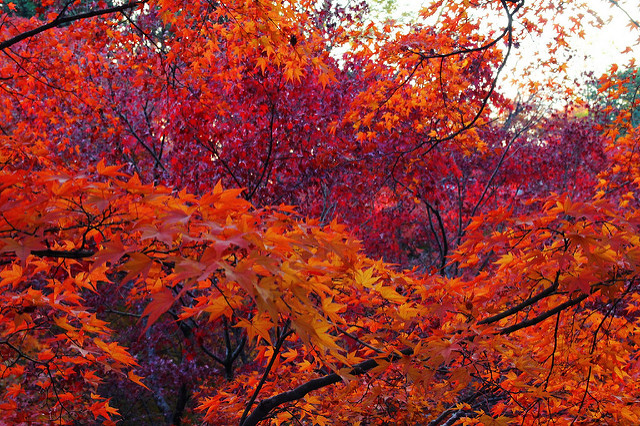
<point>247,212</point>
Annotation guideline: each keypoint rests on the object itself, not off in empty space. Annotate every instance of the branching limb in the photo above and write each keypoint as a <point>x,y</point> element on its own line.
<point>276,350</point>
<point>520,306</point>
<point>74,254</point>
<point>61,20</point>
<point>267,405</point>
<point>544,316</point>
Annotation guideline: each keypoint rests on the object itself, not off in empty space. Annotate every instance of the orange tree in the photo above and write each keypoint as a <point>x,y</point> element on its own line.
<point>134,287</point>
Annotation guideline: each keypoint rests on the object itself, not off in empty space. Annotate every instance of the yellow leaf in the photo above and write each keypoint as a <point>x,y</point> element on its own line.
<point>406,312</point>
<point>629,415</point>
<point>504,259</point>
<point>365,278</point>
<point>64,324</point>
<point>290,355</point>
<point>331,309</point>
<point>391,295</point>
<point>10,276</point>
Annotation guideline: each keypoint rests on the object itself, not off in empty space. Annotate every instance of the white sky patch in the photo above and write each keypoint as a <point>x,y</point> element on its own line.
<point>596,52</point>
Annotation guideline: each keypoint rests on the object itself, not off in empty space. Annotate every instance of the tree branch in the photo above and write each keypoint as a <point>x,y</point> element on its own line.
<point>276,350</point>
<point>65,20</point>
<point>520,306</point>
<point>267,405</point>
<point>544,316</point>
<point>76,254</point>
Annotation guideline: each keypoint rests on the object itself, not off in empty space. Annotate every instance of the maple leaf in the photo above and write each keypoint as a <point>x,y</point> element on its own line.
<point>260,326</point>
<point>390,294</point>
<point>21,248</point>
<point>136,379</point>
<point>111,171</point>
<point>103,409</point>
<point>111,252</point>
<point>137,266</point>
<point>406,139</point>
<point>161,302</point>
<point>11,276</point>
<point>366,278</point>
<point>491,421</point>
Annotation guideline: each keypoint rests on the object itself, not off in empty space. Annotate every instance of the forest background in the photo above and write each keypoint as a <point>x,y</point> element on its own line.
<point>455,255</point>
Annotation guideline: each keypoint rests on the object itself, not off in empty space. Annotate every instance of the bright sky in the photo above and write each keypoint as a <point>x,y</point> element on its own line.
<point>595,53</point>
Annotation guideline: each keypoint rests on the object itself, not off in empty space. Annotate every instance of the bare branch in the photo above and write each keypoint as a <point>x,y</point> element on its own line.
<point>75,254</point>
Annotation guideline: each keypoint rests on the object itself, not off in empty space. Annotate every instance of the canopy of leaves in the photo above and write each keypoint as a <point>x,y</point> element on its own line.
<point>454,255</point>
